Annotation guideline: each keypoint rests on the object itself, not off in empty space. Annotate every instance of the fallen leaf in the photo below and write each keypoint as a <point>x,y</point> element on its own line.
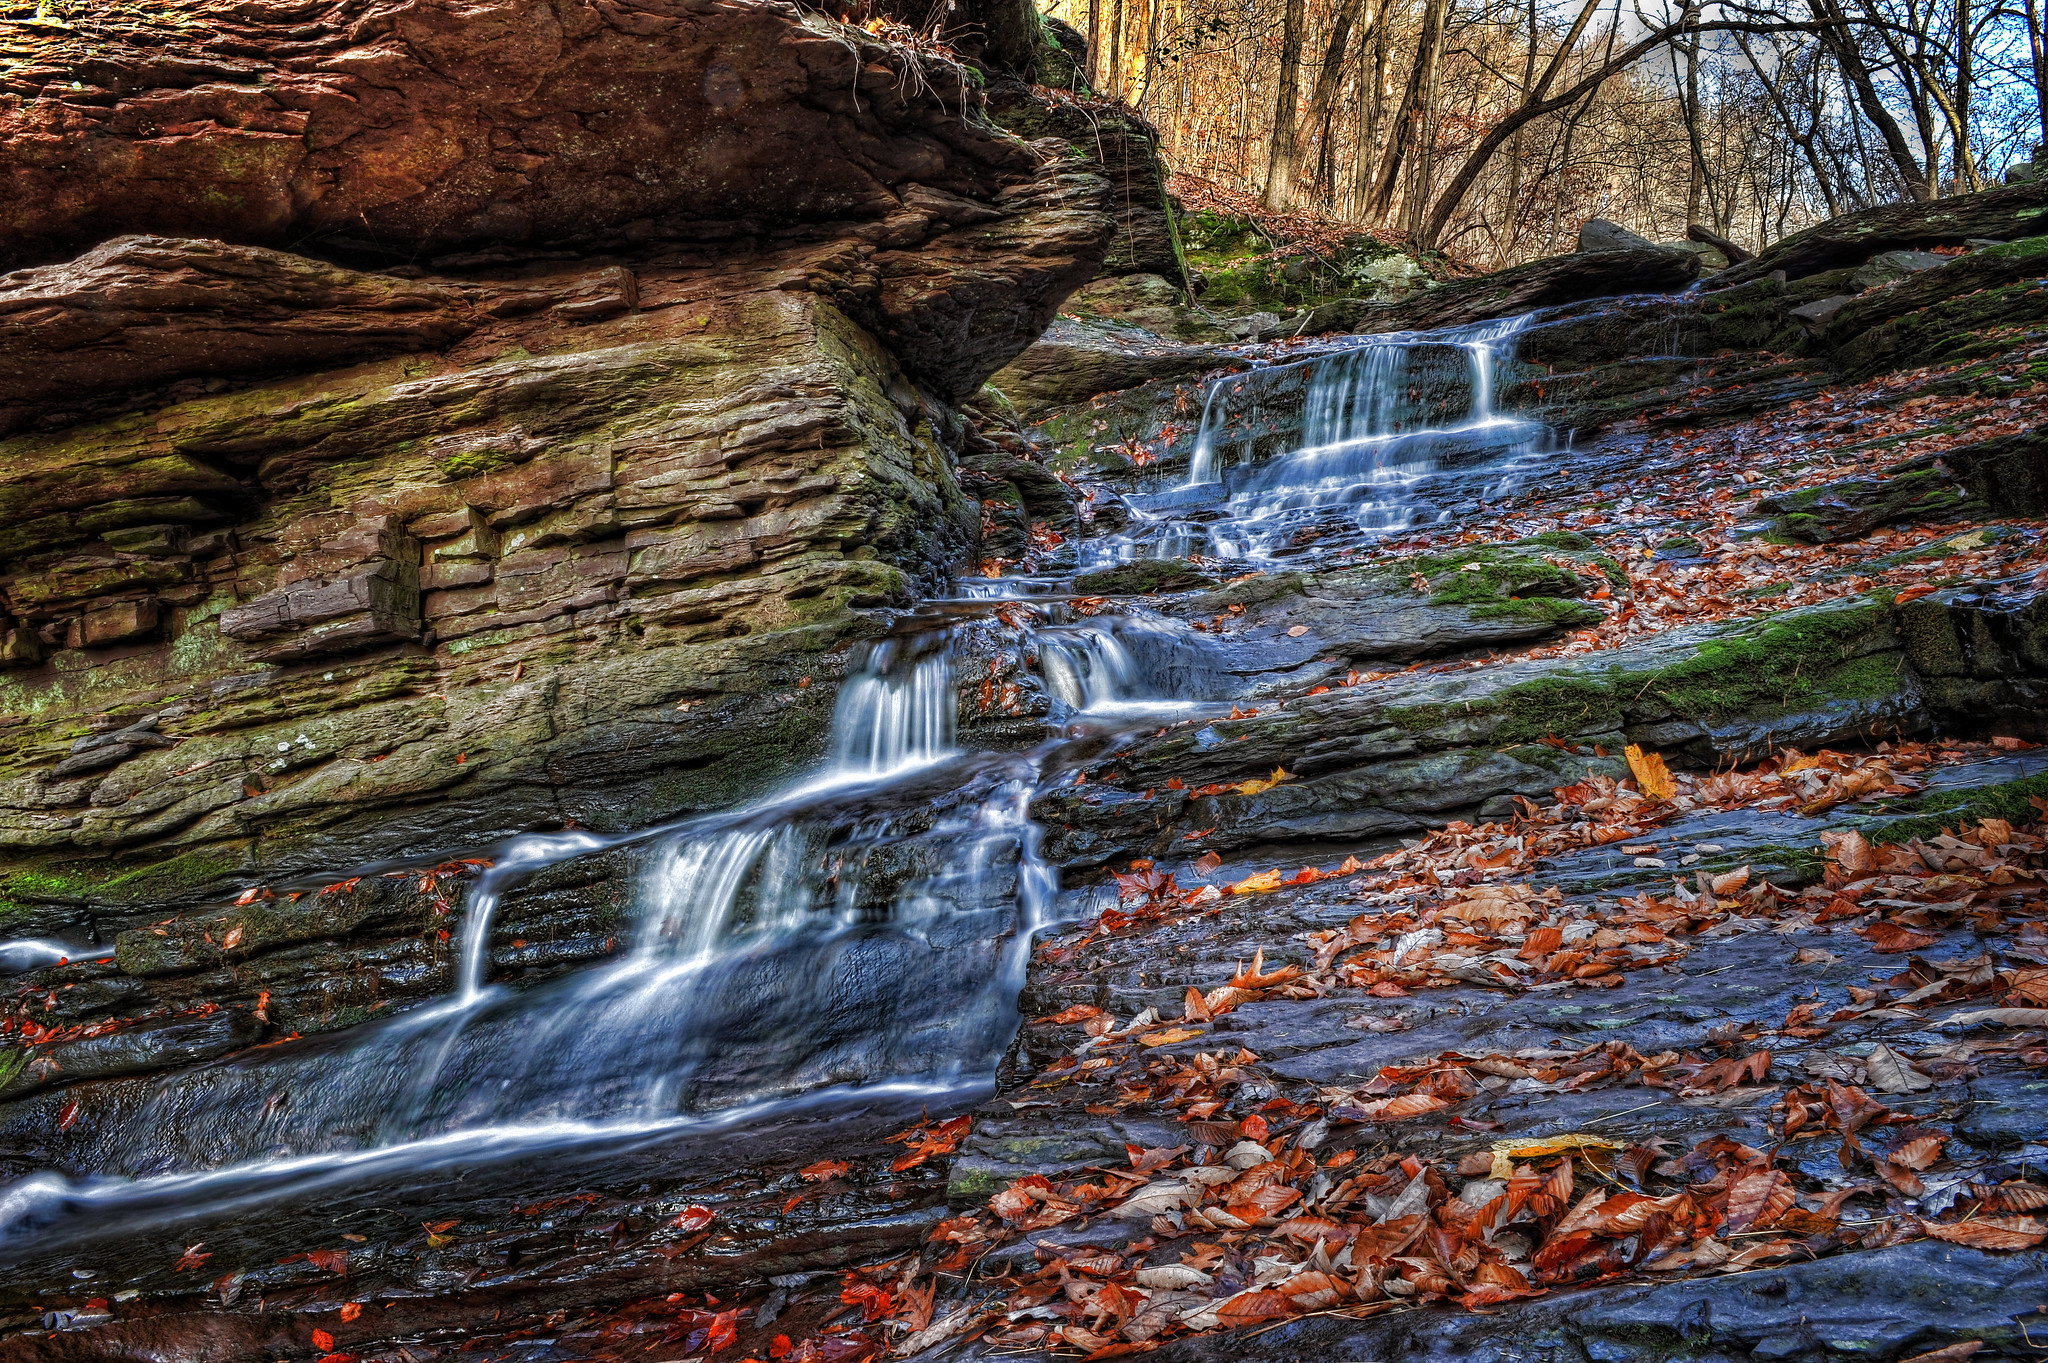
<point>1170,1036</point>
<point>1989,1232</point>
<point>1889,1072</point>
<point>1653,778</point>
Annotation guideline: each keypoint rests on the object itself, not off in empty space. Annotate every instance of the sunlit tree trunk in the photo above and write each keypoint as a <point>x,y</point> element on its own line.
<point>1280,157</point>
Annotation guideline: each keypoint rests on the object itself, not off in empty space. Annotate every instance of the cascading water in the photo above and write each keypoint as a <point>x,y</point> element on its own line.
<point>844,936</point>
<point>897,712</point>
<point>1378,417</point>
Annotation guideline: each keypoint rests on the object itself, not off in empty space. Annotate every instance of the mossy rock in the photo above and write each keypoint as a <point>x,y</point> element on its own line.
<point>1143,577</point>
<point>1943,810</point>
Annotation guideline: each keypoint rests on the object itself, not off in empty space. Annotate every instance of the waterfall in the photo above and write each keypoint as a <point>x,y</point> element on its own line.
<point>1378,417</point>
<point>898,711</point>
<point>839,937</point>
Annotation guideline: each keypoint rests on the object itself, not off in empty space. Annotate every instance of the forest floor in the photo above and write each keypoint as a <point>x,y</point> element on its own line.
<point>1687,1062</point>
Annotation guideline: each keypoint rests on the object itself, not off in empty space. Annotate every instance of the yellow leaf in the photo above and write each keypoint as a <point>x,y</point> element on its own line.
<point>1653,778</point>
<point>1554,1145</point>
<point>1171,1035</point>
<point>1261,787</point>
<point>1261,883</point>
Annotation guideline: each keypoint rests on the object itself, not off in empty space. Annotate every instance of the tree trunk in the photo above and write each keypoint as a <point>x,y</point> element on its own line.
<point>1094,44</point>
<point>1113,75</point>
<point>1840,42</point>
<point>1328,79</point>
<point>2037,50</point>
<point>1008,32</point>
<point>1410,116</point>
<point>1281,157</point>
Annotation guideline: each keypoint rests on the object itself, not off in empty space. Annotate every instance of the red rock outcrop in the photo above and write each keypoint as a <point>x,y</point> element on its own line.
<point>635,392</point>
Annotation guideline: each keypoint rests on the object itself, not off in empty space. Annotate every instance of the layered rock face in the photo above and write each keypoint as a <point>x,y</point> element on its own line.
<point>315,561</point>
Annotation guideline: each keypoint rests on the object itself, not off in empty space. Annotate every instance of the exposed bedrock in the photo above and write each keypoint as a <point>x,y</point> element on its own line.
<point>419,127</point>
<point>1408,752</point>
<point>307,565</point>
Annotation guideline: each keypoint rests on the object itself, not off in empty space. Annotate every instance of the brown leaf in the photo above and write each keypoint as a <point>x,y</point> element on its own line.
<point>1890,937</point>
<point>1919,1152</point>
<point>1989,1232</point>
<point>1758,1199</point>
<point>1256,1305</point>
<point>1954,1353</point>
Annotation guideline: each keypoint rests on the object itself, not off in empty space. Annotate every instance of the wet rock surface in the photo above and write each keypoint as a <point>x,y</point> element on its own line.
<point>614,510</point>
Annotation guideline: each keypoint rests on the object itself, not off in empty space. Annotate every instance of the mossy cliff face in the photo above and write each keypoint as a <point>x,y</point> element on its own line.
<point>583,534</point>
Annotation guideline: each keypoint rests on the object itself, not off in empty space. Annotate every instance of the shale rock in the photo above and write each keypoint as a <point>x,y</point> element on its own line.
<point>603,497</point>
<point>2006,214</point>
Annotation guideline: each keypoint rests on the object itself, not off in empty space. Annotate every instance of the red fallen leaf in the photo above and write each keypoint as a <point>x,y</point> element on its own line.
<point>1079,1012</point>
<point>329,1261</point>
<point>1758,1200</point>
<point>191,1259</point>
<point>1255,1128</point>
<point>1256,1305</point>
<point>1401,1108</point>
<point>723,1330</point>
<point>69,1116</point>
<point>1890,937</point>
<point>694,1218</point>
<point>323,1341</point>
<point>1309,1229</point>
<point>1990,1232</point>
<point>873,1301</point>
<point>822,1170</point>
<point>781,1347</point>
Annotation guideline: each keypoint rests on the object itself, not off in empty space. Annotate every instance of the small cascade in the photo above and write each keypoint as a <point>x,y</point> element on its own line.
<point>1117,664</point>
<point>834,939</point>
<point>897,711</point>
<point>31,953</point>
<point>1377,419</point>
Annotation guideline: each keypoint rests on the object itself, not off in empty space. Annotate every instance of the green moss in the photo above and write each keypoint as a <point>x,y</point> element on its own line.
<point>1781,664</point>
<point>1559,539</point>
<point>1946,809</point>
<point>1524,713</point>
<point>1492,574</point>
<point>175,876</point>
<point>1550,610</point>
<point>1680,544</point>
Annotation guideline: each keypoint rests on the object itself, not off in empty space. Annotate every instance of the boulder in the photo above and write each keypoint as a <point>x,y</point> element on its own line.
<point>435,127</point>
<point>1598,234</point>
<point>2004,214</point>
<point>1888,267</point>
<point>575,479</point>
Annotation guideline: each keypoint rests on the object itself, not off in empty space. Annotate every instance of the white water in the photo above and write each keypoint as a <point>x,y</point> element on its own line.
<point>763,971</point>
<point>32,953</point>
<point>767,965</point>
<point>1379,417</point>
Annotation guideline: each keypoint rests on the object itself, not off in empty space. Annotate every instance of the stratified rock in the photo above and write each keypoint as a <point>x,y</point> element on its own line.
<point>1598,234</point>
<point>1997,214</point>
<point>142,311</point>
<point>1935,316</point>
<point>608,529</point>
<point>430,126</point>
<point>1518,289</point>
<point>1401,753</point>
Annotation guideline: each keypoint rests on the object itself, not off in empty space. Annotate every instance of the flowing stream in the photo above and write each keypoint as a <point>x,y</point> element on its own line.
<point>862,934</point>
<point>1351,438</point>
